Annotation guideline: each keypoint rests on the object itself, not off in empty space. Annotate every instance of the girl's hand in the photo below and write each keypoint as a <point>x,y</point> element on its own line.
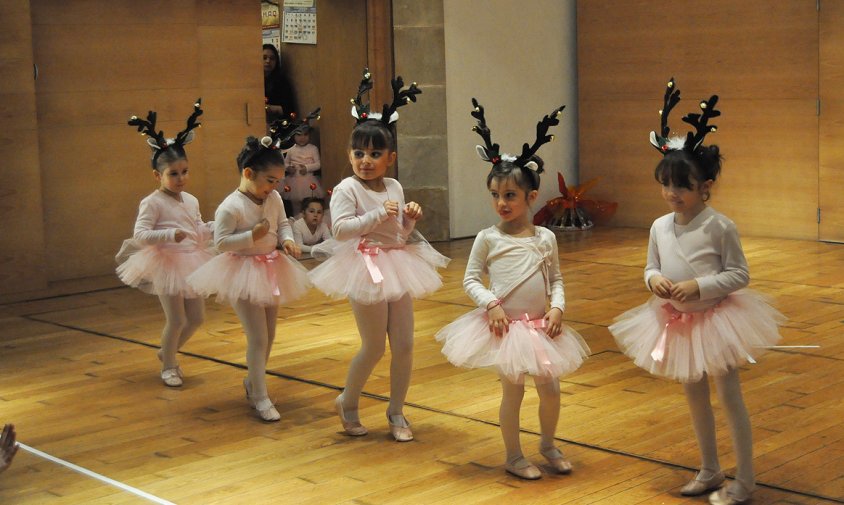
<point>303,170</point>
<point>260,230</point>
<point>413,210</point>
<point>180,235</point>
<point>554,322</point>
<point>290,247</point>
<point>685,291</point>
<point>660,286</point>
<point>498,321</point>
<point>392,208</point>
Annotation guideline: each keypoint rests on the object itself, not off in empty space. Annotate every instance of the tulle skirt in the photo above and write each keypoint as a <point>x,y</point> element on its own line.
<point>523,350</point>
<point>684,346</point>
<point>161,270</point>
<point>372,275</point>
<point>263,279</point>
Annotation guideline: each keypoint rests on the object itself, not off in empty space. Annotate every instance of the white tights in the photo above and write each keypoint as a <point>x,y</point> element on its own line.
<point>376,323</point>
<point>508,414</point>
<point>703,420</point>
<point>182,318</point>
<point>259,324</point>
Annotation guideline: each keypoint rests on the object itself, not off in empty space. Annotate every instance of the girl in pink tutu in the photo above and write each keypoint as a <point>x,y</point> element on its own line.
<point>251,274</point>
<point>302,162</point>
<point>378,262</point>
<point>169,243</point>
<point>512,331</point>
<point>701,320</point>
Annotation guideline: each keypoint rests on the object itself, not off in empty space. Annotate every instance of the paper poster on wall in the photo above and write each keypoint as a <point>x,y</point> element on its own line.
<point>270,15</point>
<point>300,22</point>
<point>272,36</point>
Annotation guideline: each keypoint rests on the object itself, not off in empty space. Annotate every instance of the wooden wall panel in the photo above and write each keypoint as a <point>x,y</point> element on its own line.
<point>327,75</point>
<point>21,219</point>
<point>100,63</point>
<point>831,143</point>
<point>760,57</point>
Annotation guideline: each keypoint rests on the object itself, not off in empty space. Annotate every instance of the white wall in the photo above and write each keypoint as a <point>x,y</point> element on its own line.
<point>518,58</point>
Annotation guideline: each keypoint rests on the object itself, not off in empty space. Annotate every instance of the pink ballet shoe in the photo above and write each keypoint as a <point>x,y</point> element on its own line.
<point>697,487</point>
<point>353,428</point>
<point>727,495</point>
<point>265,408</point>
<point>399,427</point>
<point>172,377</point>
<point>523,469</point>
<point>556,460</point>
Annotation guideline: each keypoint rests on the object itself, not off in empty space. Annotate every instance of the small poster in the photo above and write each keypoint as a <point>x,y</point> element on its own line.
<point>270,15</point>
<point>300,22</point>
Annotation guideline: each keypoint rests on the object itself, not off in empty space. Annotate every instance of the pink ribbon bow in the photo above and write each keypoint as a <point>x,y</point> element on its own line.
<point>268,259</point>
<point>675,316</point>
<point>368,252</point>
<point>541,355</point>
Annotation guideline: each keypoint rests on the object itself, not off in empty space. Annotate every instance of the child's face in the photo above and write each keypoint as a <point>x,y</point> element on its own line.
<point>371,164</point>
<point>302,139</point>
<point>313,214</point>
<point>685,200</point>
<point>509,200</point>
<point>261,184</point>
<point>174,177</point>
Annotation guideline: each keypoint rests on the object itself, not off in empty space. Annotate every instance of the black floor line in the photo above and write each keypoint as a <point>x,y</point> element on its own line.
<point>424,407</point>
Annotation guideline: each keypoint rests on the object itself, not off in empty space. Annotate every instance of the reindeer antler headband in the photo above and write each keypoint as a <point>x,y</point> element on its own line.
<point>663,143</point>
<point>157,140</point>
<point>361,111</point>
<point>490,152</point>
<point>281,134</point>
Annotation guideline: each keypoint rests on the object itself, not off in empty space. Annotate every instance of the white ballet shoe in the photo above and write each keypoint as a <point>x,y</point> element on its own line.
<point>698,486</point>
<point>172,377</point>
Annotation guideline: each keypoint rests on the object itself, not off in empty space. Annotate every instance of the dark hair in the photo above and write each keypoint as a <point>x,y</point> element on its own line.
<point>257,157</point>
<point>277,86</point>
<point>312,199</point>
<point>372,133</point>
<point>679,166</point>
<point>524,178</point>
<point>164,158</point>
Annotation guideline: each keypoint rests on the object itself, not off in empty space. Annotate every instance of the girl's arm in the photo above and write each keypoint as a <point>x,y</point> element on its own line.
<point>653,266</point>
<point>472,279</point>
<point>299,238</point>
<point>313,167</point>
<point>734,275</point>
<point>225,238</point>
<point>558,295</point>
<point>346,223</point>
<point>145,231</point>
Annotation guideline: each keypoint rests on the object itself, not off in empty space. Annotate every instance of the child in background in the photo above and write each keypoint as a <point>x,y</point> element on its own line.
<point>701,321</point>
<point>301,162</point>
<point>170,242</point>
<point>309,230</point>
<point>513,330</point>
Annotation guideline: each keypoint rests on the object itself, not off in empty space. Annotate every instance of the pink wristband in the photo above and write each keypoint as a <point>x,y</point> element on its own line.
<point>493,304</point>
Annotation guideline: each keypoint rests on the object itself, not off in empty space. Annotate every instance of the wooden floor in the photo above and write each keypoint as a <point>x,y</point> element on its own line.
<point>79,379</point>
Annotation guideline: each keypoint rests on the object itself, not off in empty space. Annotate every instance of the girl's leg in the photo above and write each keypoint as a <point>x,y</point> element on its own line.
<point>271,314</point>
<point>703,421</point>
<point>174,325</point>
<point>372,326</point>
<point>400,332</point>
<point>195,315</point>
<point>549,413</point>
<point>508,418</point>
<point>254,321</point>
<point>729,394</point>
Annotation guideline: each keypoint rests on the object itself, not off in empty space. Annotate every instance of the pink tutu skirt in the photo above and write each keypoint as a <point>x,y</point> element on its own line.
<point>163,270</point>
<point>524,350</point>
<point>371,275</point>
<point>686,345</point>
<point>262,279</point>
